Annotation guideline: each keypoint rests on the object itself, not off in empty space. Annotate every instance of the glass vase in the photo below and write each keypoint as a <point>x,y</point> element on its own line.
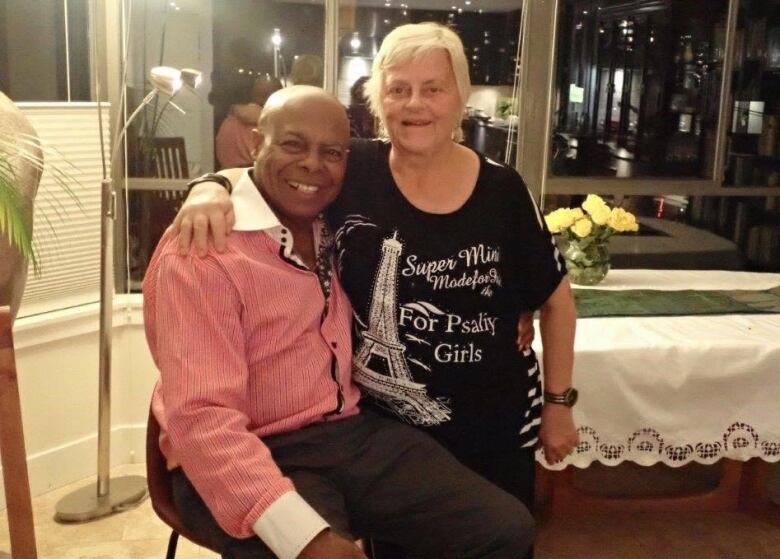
<point>587,261</point>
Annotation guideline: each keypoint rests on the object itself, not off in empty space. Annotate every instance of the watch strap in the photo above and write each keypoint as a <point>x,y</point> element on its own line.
<point>212,177</point>
<point>567,398</point>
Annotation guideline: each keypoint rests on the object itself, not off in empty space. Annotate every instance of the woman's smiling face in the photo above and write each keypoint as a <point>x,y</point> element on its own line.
<point>421,105</point>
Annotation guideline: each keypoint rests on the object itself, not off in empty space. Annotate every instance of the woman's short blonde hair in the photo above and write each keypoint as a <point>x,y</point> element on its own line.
<point>409,42</point>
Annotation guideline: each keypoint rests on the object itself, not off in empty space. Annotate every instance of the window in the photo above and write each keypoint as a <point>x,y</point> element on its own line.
<point>45,69</point>
<point>754,150</point>
<point>44,50</point>
<point>638,88</point>
<point>248,48</point>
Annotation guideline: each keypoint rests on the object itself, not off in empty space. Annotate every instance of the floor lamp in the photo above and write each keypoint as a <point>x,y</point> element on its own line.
<point>108,496</point>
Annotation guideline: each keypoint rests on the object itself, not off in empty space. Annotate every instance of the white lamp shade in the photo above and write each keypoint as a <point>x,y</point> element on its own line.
<point>191,77</point>
<point>166,79</point>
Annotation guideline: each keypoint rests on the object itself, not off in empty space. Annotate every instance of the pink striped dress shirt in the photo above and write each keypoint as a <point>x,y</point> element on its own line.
<point>243,353</point>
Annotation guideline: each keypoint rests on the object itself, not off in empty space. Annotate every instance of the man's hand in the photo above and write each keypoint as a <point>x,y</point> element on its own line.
<point>557,433</point>
<point>207,209</point>
<point>329,545</point>
<point>525,331</point>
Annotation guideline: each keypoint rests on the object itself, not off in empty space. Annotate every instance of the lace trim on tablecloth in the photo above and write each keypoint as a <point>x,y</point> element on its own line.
<point>647,446</point>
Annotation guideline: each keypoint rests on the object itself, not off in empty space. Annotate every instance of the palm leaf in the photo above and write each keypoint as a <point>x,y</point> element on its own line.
<point>27,147</point>
<point>12,222</point>
<point>62,177</point>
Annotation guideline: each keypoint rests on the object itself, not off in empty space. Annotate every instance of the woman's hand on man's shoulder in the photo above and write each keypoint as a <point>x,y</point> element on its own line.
<point>206,215</point>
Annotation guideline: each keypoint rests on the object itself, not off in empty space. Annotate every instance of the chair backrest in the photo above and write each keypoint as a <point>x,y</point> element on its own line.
<point>160,487</point>
<point>171,158</point>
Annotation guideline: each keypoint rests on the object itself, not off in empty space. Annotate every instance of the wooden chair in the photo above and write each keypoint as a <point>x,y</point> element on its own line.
<point>161,494</point>
<point>157,208</point>
<point>161,490</point>
<point>14,458</point>
<point>170,158</point>
<point>171,163</point>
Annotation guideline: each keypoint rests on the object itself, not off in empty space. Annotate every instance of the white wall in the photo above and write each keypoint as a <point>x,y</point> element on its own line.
<point>57,363</point>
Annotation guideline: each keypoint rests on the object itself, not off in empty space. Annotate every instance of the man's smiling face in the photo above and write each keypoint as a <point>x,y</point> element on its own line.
<point>301,153</point>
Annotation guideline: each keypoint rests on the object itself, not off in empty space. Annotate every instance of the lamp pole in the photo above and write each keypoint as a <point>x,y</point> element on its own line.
<point>108,496</point>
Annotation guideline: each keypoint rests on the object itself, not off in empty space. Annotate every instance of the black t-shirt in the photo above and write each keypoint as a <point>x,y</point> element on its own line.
<point>437,298</point>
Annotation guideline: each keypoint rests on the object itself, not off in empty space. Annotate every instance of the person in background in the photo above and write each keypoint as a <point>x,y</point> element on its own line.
<point>234,142</point>
<point>361,121</point>
<point>307,70</point>
<point>440,250</point>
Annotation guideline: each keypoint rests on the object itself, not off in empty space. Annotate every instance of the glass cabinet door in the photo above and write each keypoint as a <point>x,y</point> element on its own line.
<point>753,157</point>
<point>637,88</point>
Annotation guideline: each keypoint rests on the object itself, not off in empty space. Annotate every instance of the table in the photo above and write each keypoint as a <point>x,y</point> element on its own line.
<point>674,390</point>
<point>676,245</point>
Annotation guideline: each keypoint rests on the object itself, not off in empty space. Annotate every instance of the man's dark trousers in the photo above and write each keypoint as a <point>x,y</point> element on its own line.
<point>372,477</point>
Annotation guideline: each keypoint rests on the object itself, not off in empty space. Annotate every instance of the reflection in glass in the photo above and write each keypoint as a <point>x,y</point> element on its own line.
<point>247,49</point>
<point>489,32</point>
<point>44,50</point>
<point>754,153</point>
<point>675,232</point>
<point>637,88</point>
<point>693,232</point>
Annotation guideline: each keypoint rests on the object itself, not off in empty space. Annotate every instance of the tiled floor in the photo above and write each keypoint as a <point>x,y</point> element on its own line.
<point>138,534</point>
<point>134,534</point>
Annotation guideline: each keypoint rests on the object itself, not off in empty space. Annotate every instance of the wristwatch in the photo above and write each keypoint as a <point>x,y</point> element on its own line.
<point>566,398</point>
<point>212,177</point>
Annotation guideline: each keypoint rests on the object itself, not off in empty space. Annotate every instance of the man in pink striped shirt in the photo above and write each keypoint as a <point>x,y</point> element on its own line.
<point>259,415</point>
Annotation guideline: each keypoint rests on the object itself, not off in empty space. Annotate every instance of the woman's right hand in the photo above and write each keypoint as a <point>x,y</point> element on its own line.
<point>207,209</point>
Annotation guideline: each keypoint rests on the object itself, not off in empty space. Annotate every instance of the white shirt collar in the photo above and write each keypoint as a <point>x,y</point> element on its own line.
<point>251,210</point>
<point>253,213</point>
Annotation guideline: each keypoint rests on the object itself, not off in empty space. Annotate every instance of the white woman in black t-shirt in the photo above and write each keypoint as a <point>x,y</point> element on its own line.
<point>417,287</point>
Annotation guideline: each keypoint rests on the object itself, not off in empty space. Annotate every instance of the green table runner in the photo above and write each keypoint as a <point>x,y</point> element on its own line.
<point>653,302</point>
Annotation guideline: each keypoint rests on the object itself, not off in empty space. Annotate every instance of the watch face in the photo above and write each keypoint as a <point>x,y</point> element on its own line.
<point>571,396</point>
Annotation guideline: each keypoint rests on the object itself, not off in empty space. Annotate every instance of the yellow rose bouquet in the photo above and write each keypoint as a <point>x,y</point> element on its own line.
<point>586,231</point>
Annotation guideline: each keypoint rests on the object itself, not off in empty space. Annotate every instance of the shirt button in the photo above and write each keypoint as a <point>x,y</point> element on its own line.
<point>334,345</point>
<point>284,240</point>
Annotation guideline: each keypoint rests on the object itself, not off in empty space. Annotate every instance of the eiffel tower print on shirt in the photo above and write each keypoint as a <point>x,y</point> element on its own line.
<point>379,365</point>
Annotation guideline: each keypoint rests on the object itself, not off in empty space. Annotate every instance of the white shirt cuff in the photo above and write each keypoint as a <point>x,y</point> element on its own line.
<point>288,525</point>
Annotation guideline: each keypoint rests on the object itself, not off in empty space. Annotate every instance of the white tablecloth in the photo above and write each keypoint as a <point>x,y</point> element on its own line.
<point>678,389</point>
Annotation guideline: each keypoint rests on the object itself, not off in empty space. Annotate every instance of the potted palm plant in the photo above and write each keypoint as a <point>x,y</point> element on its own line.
<point>21,164</point>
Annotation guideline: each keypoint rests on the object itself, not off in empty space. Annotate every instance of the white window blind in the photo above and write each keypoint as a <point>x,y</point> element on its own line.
<point>68,246</point>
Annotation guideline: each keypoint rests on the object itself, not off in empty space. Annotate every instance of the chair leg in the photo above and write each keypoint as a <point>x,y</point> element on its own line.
<point>172,542</point>
<point>13,458</point>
